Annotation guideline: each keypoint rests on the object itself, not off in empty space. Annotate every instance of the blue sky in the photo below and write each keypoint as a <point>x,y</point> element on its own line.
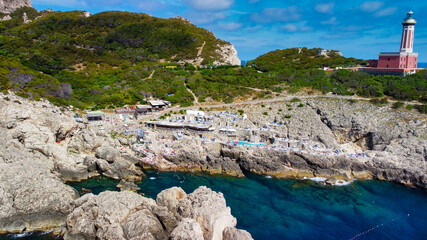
<point>358,28</point>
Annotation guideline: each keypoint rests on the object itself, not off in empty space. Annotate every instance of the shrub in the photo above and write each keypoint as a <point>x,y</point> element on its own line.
<point>280,110</point>
<point>265,113</point>
<point>409,107</point>
<point>300,105</point>
<point>295,100</point>
<point>262,105</point>
<point>240,111</point>
<point>288,116</point>
<point>397,105</point>
<point>378,101</point>
<point>422,108</point>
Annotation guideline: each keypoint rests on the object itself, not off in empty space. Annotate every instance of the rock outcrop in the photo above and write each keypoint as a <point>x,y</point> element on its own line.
<point>228,55</point>
<point>393,142</point>
<point>40,148</point>
<point>8,6</point>
<point>202,214</point>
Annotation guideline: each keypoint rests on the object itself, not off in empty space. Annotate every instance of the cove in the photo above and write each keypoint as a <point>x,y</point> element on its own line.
<point>302,209</point>
<point>298,209</point>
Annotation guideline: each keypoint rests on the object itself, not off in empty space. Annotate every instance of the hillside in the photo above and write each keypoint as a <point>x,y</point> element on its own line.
<point>115,58</point>
<point>301,58</point>
<point>54,41</point>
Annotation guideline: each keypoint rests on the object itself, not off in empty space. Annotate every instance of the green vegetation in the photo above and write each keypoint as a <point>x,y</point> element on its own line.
<point>379,101</point>
<point>397,105</point>
<point>104,61</point>
<point>299,59</point>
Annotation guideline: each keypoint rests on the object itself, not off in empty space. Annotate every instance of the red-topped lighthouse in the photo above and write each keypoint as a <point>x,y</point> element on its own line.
<point>405,61</point>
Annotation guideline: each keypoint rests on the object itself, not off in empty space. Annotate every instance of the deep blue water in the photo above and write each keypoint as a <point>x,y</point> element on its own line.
<point>294,209</point>
<point>422,65</point>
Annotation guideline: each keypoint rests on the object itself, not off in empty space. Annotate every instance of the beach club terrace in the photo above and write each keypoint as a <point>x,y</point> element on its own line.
<point>180,125</point>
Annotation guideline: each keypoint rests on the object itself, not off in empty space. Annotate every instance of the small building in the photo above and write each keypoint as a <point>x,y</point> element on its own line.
<point>143,110</point>
<point>157,104</point>
<point>95,116</point>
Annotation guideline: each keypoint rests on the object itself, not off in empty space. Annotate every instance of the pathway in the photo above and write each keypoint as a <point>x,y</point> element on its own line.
<point>201,49</point>
<point>290,97</point>
<point>196,101</point>
<point>151,75</point>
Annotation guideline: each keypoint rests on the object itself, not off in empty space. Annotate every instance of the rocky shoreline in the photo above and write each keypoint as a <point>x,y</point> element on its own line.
<point>43,147</point>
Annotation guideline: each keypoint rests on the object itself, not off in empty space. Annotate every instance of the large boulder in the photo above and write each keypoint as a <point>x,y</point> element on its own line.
<point>209,209</point>
<point>107,152</point>
<point>236,234</point>
<point>170,198</point>
<point>187,229</point>
<point>113,215</point>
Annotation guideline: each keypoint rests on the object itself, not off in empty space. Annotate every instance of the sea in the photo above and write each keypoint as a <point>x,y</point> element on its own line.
<point>269,208</point>
<point>422,65</point>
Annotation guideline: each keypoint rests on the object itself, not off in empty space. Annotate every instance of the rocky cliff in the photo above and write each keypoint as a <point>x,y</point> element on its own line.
<point>393,143</point>
<point>42,147</point>
<point>8,6</point>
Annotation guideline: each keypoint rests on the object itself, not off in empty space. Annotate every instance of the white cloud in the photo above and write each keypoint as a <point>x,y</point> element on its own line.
<point>325,7</point>
<point>210,5</point>
<point>151,5</point>
<point>291,27</point>
<point>204,17</point>
<point>331,21</point>
<point>276,14</point>
<point>68,3</point>
<point>230,26</point>
<point>386,12</point>
<point>371,6</point>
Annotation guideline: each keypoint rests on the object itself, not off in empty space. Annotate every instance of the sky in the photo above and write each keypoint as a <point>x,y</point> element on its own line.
<point>357,28</point>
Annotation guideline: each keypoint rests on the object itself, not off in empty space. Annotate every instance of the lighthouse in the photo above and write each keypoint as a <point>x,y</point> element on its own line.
<point>403,62</point>
<point>407,43</point>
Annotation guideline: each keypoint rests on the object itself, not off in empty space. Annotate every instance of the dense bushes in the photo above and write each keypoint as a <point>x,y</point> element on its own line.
<point>107,58</point>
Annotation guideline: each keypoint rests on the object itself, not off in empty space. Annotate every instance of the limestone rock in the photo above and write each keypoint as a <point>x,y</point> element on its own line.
<point>236,234</point>
<point>228,55</point>
<point>8,6</point>
<point>112,215</point>
<point>209,209</point>
<point>107,152</point>
<point>187,229</point>
<point>170,198</point>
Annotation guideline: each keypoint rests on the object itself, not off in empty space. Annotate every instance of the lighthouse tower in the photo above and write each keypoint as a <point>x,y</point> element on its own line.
<point>405,61</point>
<point>407,43</point>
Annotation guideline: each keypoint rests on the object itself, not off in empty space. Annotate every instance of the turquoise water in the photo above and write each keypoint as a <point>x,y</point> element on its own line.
<point>291,209</point>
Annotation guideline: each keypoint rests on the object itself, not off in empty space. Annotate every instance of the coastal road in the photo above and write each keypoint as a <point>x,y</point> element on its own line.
<point>290,97</point>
